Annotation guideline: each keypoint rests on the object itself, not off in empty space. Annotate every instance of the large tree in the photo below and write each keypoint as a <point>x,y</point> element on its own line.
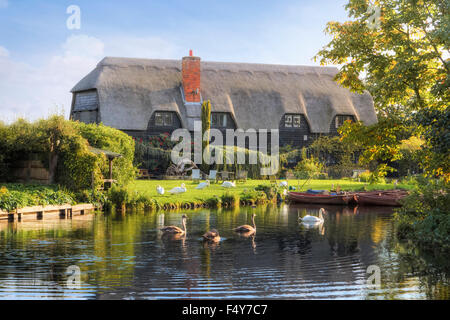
<point>399,56</point>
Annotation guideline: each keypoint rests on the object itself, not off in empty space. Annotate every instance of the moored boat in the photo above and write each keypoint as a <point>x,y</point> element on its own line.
<point>380,198</point>
<point>303,197</point>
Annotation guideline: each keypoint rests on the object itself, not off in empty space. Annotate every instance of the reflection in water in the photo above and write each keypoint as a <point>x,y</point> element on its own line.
<point>125,256</point>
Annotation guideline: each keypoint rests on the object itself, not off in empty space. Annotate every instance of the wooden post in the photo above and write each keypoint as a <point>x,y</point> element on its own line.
<point>39,215</point>
<point>69,213</point>
<point>62,213</point>
<point>19,217</point>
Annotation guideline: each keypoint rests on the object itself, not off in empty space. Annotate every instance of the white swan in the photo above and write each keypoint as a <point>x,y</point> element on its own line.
<point>312,219</point>
<point>177,190</point>
<point>160,190</point>
<point>228,184</point>
<point>203,185</point>
<point>283,184</point>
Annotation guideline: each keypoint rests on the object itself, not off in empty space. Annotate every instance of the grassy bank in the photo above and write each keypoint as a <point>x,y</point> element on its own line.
<point>148,188</point>
<point>143,192</point>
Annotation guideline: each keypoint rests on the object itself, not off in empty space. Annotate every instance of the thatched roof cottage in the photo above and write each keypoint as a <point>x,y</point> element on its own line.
<point>148,96</point>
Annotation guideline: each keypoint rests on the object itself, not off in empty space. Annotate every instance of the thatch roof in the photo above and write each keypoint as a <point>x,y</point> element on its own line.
<point>257,95</point>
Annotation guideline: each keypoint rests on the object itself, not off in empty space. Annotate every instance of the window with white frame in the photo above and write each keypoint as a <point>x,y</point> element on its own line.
<point>296,121</point>
<point>292,120</point>
<point>163,119</point>
<point>219,120</point>
<point>288,121</point>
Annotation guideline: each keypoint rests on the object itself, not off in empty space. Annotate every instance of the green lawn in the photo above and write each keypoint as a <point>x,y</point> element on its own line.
<point>149,187</point>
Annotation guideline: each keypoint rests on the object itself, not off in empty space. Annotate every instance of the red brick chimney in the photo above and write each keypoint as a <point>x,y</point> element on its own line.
<point>190,71</point>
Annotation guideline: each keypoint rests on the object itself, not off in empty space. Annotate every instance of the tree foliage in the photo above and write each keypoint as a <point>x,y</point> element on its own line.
<point>402,64</point>
<point>76,167</point>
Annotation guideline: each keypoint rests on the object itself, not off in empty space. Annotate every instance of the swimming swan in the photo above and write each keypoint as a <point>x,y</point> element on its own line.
<point>175,229</point>
<point>247,228</point>
<point>313,219</point>
<point>212,235</point>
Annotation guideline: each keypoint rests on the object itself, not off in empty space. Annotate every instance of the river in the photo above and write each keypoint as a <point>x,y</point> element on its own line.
<point>354,254</point>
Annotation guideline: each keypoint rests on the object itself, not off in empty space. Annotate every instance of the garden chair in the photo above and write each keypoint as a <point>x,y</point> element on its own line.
<point>241,176</point>
<point>196,175</point>
<point>212,175</point>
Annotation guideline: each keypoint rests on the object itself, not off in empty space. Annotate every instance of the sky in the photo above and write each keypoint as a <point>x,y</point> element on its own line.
<point>41,58</point>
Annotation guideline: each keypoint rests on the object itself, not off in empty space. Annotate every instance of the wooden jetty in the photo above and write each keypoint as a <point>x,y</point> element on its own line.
<point>40,212</point>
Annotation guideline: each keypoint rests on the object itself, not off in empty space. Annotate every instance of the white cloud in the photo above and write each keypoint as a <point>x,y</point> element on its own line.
<point>4,52</point>
<point>34,92</point>
<point>3,3</point>
<point>37,91</point>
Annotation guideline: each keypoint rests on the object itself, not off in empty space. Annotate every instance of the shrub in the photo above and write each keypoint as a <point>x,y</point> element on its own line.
<point>230,199</point>
<point>369,177</point>
<point>97,198</point>
<point>214,202</point>
<point>253,197</point>
<point>111,139</point>
<point>270,191</point>
<point>119,196</point>
<point>424,217</point>
<point>308,167</point>
<point>146,201</point>
<point>322,176</point>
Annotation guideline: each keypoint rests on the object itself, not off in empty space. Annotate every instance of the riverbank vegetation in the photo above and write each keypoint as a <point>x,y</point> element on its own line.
<point>64,148</point>
<point>13,196</point>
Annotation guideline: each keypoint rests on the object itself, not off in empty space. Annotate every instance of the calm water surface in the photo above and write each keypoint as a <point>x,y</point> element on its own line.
<point>126,257</point>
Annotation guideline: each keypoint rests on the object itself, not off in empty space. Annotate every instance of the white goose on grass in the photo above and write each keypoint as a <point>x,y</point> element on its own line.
<point>178,190</point>
<point>283,184</point>
<point>160,190</point>
<point>228,184</point>
<point>313,219</point>
<point>203,185</point>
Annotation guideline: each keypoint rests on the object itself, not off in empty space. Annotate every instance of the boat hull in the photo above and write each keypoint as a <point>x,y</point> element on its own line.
<point>301,197</point>
<point>388,198</point>
<point>370,198</point>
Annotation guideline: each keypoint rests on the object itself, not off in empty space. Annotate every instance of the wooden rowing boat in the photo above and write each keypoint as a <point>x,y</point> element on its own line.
<point>366,198</point>
<point>303,197</point>
<point>380,198</point>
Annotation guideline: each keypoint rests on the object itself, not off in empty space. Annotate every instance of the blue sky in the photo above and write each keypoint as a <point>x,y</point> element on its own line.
<point>41,59</point>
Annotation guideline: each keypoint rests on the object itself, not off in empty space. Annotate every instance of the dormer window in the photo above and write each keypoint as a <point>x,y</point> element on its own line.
<point>339,121</point>
<point>292,121</point>
<point>163,119</point>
